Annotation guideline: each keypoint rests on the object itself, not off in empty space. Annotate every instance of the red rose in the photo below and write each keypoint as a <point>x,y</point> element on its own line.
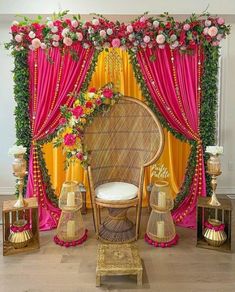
<point>89,104</point>
<point>14,28</point>
<point>69,139</point>
<point>77,111</point>
<point>108,93</point>
<point>182,37</point>
<point>92,89</point>
<point>168,25</point>
<point>79,156</point>
<point>98,101</point>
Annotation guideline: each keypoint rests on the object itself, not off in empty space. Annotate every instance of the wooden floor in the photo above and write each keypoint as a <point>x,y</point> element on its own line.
<point>180,268</point>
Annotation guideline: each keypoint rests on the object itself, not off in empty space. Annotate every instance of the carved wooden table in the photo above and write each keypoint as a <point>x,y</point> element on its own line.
<point>118,259</point>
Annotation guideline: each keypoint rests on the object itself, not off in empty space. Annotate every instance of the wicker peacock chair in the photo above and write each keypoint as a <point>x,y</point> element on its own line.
<point>122,142</point>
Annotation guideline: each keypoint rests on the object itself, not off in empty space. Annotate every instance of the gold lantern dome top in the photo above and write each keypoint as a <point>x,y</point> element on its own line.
<point>161,198</point>
<point>70,196</point>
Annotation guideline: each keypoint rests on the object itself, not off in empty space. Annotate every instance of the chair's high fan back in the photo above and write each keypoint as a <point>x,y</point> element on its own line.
<point>123,140</point>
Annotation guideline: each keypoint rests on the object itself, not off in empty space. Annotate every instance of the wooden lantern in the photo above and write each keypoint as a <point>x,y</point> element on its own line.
<point>10,214</point>
<point>224,213</point>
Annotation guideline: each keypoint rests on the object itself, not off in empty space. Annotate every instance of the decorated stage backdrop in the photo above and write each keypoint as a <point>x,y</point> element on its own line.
<point>175,65</point>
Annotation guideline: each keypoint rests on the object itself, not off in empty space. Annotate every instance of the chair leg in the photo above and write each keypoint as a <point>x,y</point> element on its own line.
<point>138,216</point>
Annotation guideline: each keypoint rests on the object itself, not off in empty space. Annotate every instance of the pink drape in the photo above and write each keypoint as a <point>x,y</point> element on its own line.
<point>50,84</point>
<point>173,81</point>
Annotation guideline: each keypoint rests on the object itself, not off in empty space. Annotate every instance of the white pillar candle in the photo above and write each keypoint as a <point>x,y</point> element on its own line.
<point>71,199</point>
<point>162,200</point>
<point>71,228</point>
<point>160,229</point>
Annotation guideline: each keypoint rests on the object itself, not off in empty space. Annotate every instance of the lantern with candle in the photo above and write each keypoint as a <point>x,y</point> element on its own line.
<point>161,228</point>
<point>70,230</point>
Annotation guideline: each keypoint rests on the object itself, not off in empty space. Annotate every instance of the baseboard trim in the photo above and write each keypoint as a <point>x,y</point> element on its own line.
<point>225,190</point>
<point>6,191</point>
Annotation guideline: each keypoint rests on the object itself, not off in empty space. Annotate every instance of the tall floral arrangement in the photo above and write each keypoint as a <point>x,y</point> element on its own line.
<point>85,107</point>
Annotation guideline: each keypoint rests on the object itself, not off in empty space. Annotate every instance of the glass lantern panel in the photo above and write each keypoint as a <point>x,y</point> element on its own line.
<point>70,196</point>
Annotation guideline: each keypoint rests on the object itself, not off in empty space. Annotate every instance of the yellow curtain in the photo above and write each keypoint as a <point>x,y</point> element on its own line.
<point>175,153</point>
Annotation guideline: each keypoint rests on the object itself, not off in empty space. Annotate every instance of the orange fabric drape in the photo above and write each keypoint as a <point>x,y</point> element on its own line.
<point>175,153</point>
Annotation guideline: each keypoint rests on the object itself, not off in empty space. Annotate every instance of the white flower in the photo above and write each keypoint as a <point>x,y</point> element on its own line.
<point>50,24</point>
<point>173,37</point>
<point>109,31</point>
<point>72,121</point>
<point>106,45</point>
<point>17,150</point>
<point>32,34</point>
<point>55,44</point>
<point>43,46</point>
<point>207,22</point>
<point>95,21</point>
<point>64,32</point>
<point>15,22</point>
<point>215,150</point>
<point>54,29</point>
<point>156,23</point>
<point>74,23</point>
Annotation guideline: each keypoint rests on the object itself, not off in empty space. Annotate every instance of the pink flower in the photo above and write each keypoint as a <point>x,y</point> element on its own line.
<point>143,19</point>
<point>161,46</point>
<point>64,32</point>
<point>205,30</point>
<point>69,139</point>
<point>129,28</point>
<point>98,101</point>
<point>186,27</point>
<point>74,23</point>
<point>108,93</point>
<point>220,21</point>
<point>212,31</point>
<point>79,36</point>
<point>15,22</point>
<point>215,44</point>
<point>116,43</point>
<point>36,43</point>
<point>207,22</point>
<point>43,46</point>
<point>103,33</point>
<point>146,39</point>
<point>79,156</point>
<point>77,111</point>
<point>95,21</point>
<point>18,38</point>
<point>62,121</point>
<point>55,44</point>
<point>67,41</point>
<point>160,39</point>
<point>55,37</point>
<point>219,37</point>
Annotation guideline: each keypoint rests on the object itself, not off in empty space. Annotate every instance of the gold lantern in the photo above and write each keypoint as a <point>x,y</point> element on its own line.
<point>19,170</point>
<point>214,169</point>
<point>161,228</point>
<point>70,230</point>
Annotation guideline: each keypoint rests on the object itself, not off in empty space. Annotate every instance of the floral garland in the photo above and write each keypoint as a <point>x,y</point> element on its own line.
<point>20,228</point>
<point>170,243</point>
<point>213,227</point>
<point>71,243</point>
<point>143,32</point>
<point>72,124</point>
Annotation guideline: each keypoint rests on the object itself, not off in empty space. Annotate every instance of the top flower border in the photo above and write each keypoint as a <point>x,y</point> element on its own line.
<point>143,32</point>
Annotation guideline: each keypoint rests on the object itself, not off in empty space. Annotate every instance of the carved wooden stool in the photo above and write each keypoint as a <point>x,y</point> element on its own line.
<point>118,259</point>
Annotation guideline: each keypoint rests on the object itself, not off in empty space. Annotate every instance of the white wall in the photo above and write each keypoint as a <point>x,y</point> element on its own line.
<point>122,10</point>
<point>7,129</point>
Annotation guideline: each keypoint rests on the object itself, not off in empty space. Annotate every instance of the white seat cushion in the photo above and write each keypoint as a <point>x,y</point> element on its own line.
<point>116,191</point>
